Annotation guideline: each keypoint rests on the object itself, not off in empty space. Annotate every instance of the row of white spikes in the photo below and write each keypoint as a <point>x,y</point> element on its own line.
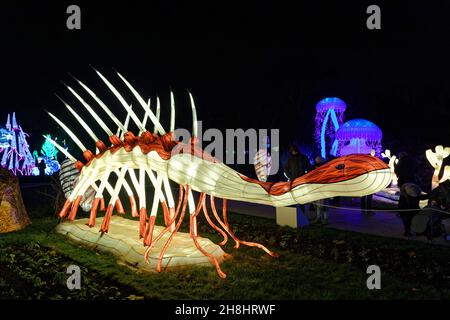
<point>130,113</point>
<point>138,185</point>
<point>157,128</point>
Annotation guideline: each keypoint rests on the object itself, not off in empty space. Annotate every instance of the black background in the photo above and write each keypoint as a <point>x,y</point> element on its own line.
<point>258,65</point>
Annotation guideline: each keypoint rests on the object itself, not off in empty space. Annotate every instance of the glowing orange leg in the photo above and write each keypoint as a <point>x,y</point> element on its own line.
<point>65,209</point>
<point>119,207</point>
<point>142,221</point>
<point>107,219</point>
<point>93,213</point>
<point>166,213</point>
<point>102,204</point>
<point>149,231</point>
<point>134,212</point>
<point>73,211</point>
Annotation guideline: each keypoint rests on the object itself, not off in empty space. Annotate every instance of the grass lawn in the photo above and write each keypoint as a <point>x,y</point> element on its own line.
<point>315,263</point>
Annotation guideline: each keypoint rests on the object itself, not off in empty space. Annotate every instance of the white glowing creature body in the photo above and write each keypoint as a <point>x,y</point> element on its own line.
<point>159,156</point>
<point>436,159</point>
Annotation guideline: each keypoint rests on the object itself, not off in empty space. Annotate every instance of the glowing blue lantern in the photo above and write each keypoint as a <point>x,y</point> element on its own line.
<point>357,136</point>
<point>329,117</point>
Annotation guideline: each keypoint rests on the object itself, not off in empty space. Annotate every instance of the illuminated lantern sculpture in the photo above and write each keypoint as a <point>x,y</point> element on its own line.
<point>392,162</point>
<point>15,155</point>
<point>329,117</point>
<point>69,177</point>
<point>49,156</point>
<point>358,136</point>
<point>436,159</point>
<point>160,157</point>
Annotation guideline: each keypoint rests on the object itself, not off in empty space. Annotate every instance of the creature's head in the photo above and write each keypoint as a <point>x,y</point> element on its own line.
<point>338,170</point>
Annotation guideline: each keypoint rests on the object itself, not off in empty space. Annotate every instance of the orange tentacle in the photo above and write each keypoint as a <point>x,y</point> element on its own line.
<point>166,246</point>
<point>247,243</point>
<point>213,207</point>
<point>212,224</point>
<point>193,220</point>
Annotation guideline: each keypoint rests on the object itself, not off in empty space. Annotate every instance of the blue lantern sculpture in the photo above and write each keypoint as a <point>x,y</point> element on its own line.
<point>357,136</point>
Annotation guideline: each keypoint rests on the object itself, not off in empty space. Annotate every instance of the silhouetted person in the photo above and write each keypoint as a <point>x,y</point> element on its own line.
<point>42,166</point>
<point>405,169</point>
<point>410,196</point>
<point>297,165</point>
<point>442,194</point>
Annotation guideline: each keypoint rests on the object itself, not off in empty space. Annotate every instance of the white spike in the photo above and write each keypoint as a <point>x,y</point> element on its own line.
<point>146,116</point>
<point>143,105</point>
<point>60,148</point>
<point>158,110</point>
<point>169,194</point>
<point>69,132</point>
<point>101,104</point>
<point>172,112</point>
<point>81,121</point>
<point>101,123</point>
<point>191,202</point>
<point>109,188</point>
<point>157,195</point>
<point>125,183</point>
<point>103,182</point>
<point>142,188</point>
<point>122,101</point>
<point>118,186</point>
<point>155,183</point>
<point>84,186</point>
<point>127,122</point>
<point>194,117</point>
<point>170,201</point>
<point>134,180</point>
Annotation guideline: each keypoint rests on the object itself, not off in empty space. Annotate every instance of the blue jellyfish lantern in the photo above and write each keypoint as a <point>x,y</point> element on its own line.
<point>329,117</point>
<point>357,136</point>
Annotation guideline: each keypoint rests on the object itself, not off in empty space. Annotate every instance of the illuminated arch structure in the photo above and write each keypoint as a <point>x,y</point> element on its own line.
<point>357,136</point>
<point>329,117</point>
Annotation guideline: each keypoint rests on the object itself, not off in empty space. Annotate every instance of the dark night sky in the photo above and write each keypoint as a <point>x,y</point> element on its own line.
<point>264,65</point>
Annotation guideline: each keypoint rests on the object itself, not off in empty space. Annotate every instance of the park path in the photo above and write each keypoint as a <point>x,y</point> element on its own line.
<point>384,223</point>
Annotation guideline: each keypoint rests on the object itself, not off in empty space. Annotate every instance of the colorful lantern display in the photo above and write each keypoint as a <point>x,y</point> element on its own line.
<point>160,157</point>
<point>49,155</point>
<point>15,154</point>
<point>329,117</point>
<point>358,136</point>
<point>436,159</point>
